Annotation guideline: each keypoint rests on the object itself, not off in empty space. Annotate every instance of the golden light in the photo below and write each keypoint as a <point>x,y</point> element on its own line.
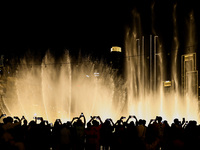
<point>116,49</point>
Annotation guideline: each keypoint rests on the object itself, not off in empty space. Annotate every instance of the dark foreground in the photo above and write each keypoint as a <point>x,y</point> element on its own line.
<point>124,134</point>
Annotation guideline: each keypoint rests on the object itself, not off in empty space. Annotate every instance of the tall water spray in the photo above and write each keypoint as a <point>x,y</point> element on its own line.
<point>155,97</point>
<point>64,88</point>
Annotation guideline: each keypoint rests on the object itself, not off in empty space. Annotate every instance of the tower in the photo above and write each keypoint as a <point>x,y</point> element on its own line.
<point>189,74</point>
<point>116,58</point>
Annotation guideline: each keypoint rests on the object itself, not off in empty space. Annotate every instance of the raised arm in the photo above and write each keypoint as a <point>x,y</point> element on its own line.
<point>112,121</point>
<point>150,122</point>
<point>59,121</point>
<point>120,120</point>
<point>99,118</point>
<point>2,115</point>
<point>83,116</point>
<point>183,122</point>
<point>136,120</point>
<point>75,118</point>
<point>23,118</point>
<point>92,118</point>
<point>17,123</point>
<point>17,118</point>
<point>129,117</point>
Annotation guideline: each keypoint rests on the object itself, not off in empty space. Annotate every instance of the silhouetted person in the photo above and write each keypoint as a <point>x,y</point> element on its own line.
<point>131,137</point>
<point>79,132</point>
<point>56,133</point>
<point>141,132</point>
<point>192,135</point>
<point>159,126</point>
<point>65,137</point>
<point>131,134</point>
<point>176,135</point>
<point>93,133</point>
<point>152,140</point>
<point>107,133</point>
<point>89,135</point>
<point>119,134</point>
<point>9,135</point>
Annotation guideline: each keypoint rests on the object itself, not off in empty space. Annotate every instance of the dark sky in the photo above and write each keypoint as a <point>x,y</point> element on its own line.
<point>74,26</point>
<point>91,27</point>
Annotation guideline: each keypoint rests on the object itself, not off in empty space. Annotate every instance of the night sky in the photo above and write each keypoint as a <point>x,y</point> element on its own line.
<point>92,27</point>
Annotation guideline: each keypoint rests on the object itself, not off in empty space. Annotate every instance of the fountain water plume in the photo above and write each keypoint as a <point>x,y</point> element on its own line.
<point>63,88</point>
<point>157,99</point>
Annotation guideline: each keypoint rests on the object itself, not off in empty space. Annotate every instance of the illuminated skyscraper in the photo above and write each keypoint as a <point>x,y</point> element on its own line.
<point>189,74</point>
<point>116,58</point>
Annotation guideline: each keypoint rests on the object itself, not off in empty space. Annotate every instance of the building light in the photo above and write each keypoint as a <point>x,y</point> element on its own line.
<point>167,83</point>
<point>96,74</point>
<point>116,49</point>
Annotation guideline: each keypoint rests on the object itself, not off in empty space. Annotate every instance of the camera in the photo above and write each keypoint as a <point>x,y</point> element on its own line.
<point>57,120</point>
<point>15,117</point>
<point>123,117</point>
<point>39,118</point>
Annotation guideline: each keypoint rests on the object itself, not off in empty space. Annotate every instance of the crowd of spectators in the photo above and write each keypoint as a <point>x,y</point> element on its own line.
<point>126,133</point>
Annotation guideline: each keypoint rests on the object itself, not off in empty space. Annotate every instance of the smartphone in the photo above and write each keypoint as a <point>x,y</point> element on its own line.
<point>107,119</point>
<point>39,118</point>
<point>57,120</point>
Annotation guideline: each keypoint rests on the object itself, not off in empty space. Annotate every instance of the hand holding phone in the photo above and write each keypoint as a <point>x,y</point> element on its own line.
<point>39,118</point>
<point>123,117</point>
<point>58,120</point>
<point>152,120</point>
<point>15,117</point>
<point>2,115</point>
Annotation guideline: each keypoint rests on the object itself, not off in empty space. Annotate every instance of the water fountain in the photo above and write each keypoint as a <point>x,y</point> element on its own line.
<point>63,89</point>
<point>147,95</point>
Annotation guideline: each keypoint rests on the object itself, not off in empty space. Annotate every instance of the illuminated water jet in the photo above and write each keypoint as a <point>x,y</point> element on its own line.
<point>152,98</point>
<point>64,88</point>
